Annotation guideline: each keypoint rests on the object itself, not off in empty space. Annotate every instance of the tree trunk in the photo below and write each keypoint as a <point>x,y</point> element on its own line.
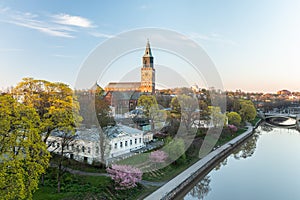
<point>43,179</point>
<point>58,185</point>
<point>152,125</point>
<point>59,178</point>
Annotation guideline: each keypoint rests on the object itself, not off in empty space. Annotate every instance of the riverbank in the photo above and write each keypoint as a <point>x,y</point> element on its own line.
<point>177,184</point>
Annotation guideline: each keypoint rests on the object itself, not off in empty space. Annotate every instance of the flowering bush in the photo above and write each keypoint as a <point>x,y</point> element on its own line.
<point>158,156</point>
<point>232,128</point>
<point>125,176</point>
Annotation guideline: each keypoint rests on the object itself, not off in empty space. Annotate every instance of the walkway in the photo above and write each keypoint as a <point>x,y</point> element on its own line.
<point>83,173</point>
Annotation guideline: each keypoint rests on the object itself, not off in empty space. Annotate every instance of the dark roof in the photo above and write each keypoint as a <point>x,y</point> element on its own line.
<point>124,85</point>
<point>133,95</point>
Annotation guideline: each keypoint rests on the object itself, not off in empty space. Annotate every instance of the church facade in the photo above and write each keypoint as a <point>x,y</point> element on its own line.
<point>123,96</point>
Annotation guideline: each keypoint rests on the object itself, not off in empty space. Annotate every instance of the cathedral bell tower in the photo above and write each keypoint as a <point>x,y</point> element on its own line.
<point>148,72</point>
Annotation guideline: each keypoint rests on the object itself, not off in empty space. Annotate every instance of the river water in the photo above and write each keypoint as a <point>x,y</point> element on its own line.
<point>266,167</point>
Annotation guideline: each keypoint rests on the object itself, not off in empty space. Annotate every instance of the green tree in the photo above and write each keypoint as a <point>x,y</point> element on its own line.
<point>217,117</point>
<point>151,109</point>
<point>103,113</point>
<point>175,105</point>
<point>234,118</point>
<point>93,108</point>
<point>247,110</point>
<point>56,105</point>
<point>23,154</point>
<point>175,148</point>
<point>204,112</point>
<point>189,107</point>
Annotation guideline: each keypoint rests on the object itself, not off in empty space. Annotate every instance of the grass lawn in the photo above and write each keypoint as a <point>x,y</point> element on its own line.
<point>135,160</point>
<point>224,138</point>
<point>46,192</point>
<point>255,121</point>
<point>75,187</point>
<point>168,172</point>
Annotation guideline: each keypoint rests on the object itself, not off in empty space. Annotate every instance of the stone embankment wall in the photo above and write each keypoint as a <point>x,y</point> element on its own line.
<point>177,184</point>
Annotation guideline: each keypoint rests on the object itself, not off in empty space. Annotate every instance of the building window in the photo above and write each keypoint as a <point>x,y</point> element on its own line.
<point>58,145</point>
<point>83,148</point>
<point>116,145</point>
<point>53,144</point>
<point>121,144</point>
<point>140,140</point>
<point>130,142</point>
<point>135,141</point>
<point>125,143</point>
<point>77,148</point>
<point>89,149</point>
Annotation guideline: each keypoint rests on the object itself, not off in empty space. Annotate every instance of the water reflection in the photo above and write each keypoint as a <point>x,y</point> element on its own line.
<point>266,127</point>
<point>257,173</point>
<point>201,189</point>
<point>220,164</point>
<point>248,148</point>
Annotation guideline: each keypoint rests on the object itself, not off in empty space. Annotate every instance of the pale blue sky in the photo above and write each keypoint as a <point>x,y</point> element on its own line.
<point>254,44</point>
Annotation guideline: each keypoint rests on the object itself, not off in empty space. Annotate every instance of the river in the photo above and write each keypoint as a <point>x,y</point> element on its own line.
<point>265,167</point>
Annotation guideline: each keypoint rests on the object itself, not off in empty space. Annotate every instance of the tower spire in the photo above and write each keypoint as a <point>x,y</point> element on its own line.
<point>148,49</point>
<point>148,72</point>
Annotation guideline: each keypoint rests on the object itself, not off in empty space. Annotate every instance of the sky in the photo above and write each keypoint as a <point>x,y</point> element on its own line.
<point>254,45</point>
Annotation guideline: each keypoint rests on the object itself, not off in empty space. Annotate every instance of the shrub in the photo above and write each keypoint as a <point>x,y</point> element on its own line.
<point>232,128</point>
<point>125,176</point>
<point>158,156</point>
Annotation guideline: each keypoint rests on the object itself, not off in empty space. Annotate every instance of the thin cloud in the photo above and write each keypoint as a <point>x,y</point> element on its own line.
<point>40,26</point>
<point>70,20</point>
<point>60,25</point>
<point>101,35</point>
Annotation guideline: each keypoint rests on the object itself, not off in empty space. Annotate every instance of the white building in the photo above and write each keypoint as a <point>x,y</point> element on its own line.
<point>124,139</point>
<point>86,146</point>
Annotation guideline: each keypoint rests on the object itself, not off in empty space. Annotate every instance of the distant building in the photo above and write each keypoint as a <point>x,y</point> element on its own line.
<point>284,92</point>
<point>195,88</point>
<point>147,84</point>
<point>133,90</point>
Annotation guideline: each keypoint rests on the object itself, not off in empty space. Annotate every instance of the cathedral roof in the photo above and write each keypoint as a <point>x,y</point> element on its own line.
<point>123,86</point>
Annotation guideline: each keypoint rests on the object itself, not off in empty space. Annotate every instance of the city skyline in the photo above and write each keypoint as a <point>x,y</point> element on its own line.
<point>254,44</point>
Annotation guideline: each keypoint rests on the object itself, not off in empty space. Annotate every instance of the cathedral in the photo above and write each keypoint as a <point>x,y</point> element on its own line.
<point>123,96</point>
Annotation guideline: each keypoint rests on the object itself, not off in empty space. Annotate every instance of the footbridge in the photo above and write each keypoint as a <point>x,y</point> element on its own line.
<point>291,118</point>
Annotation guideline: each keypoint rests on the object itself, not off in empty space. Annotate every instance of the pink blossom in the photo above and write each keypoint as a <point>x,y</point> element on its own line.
<point>232,128</point>
<point>125,176</point>
<point>158,156</point>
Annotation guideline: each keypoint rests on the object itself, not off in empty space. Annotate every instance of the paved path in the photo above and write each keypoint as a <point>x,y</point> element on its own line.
<point>83,173</point>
